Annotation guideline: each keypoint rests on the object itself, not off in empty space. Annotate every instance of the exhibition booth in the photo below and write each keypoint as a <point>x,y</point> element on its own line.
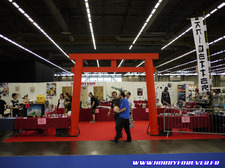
<point>42,115</point>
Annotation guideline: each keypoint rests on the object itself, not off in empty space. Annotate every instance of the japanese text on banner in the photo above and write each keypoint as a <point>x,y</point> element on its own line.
<point>201,50</point>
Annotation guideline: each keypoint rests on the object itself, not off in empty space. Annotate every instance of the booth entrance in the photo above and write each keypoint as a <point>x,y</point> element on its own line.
<point>79,69</point>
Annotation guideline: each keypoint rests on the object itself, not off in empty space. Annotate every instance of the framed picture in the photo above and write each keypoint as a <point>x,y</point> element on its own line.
<point>4,89</point>
<point>32,89</point>
<point>139,91</point>
<point>51,89</point>
<point>17,88</point>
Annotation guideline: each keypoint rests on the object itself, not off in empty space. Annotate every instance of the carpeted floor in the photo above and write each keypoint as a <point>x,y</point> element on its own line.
<point>104,131</point>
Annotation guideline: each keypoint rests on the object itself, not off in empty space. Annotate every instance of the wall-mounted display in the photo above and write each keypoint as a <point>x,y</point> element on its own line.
<point>17,88</point>
<point>51,89</point>
<point>139,91</point>
<point>32,89</point>
<point>4,89</point>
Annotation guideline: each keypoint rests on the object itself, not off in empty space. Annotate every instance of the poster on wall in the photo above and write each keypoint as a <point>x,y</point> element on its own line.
<point>4,89</point>
<point>139,91</point>
<point>181,91</point>
<point>32,89</point>
<point>51,89</point>
<point>17,88</point>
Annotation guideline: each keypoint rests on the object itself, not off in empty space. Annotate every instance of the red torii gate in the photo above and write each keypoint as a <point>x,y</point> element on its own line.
<point>78,69</point>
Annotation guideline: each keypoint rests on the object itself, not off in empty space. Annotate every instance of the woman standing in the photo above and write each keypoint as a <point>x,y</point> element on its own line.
<point>68,100</point>
<point>61,105</point>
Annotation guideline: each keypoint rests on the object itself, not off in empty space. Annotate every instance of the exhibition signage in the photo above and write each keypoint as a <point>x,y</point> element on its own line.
<point>41,121</point>
<point>185,119</point>
<point>86,83</point>
<point>201,50</point>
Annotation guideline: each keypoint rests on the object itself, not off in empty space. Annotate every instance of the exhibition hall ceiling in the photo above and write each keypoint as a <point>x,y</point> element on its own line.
<point>54,28</point>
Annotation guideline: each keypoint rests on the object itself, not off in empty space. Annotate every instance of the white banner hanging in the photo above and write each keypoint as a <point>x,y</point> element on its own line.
<point>201,51</point>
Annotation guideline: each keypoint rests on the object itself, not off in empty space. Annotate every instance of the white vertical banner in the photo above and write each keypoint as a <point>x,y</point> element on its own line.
<point>201,51</point>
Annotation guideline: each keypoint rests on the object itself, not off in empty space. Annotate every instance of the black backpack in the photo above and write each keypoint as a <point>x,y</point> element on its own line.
<point>96,102</point>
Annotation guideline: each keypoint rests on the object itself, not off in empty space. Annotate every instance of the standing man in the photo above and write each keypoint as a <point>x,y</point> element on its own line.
<point>2,106</point>
<point>124,119</point>
<point>14,105</point>
<point>131,107</point>
<point>115,102</point>
<point>93,107</point>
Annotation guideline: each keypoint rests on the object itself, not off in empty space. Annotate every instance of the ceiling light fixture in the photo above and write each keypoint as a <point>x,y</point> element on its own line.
<point>90,22</point>
<point>120,63</point>
<point>38,27</point>
<point>213,42</point>
<point>146,22</point>
<point>90,25</point>
<point>219,52</point>
<point>209,14</point>
<point>18,45</point>
<point>98,63</point>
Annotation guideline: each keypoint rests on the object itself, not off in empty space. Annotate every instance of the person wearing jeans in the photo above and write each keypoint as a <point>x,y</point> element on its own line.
<point>123,120</point>
<point>115,102</point>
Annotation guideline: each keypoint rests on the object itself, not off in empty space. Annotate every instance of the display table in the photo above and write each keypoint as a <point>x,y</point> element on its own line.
<point>102,115</point>
<point>32,123</point>
<point>7,124</point>
<point>138,104</point>
<point>190,105</point>
<point>52,112</point>
<point>141,114</point>
<point>172,122</point>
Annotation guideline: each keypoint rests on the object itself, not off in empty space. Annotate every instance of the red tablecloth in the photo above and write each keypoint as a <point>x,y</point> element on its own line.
<point>190,105</point>
<point>138,104</point>
<point>31,123</point>
<point>176,122</point>
<point>141,114</point>
<point>85,115</point>
<point>52,112</point>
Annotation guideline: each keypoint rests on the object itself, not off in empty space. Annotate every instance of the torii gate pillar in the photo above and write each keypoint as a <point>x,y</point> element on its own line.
<point>78,69</point>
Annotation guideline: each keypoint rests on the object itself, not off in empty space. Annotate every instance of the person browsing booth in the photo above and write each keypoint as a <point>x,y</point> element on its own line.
<point>115,103</point>
<point>124,119</point>
<point>94,104</point>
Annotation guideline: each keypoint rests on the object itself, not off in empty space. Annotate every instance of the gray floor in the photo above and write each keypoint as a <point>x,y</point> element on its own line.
<point>107,147</point>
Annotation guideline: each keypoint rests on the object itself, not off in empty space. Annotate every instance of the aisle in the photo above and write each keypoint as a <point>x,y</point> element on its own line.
<point>104,131</point>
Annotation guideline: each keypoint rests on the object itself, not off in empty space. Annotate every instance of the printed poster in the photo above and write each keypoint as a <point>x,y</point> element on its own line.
<point>4,89</point>
<point>51,89</point>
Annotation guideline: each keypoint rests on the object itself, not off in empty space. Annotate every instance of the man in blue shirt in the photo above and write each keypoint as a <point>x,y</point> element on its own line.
<point>124,119</point>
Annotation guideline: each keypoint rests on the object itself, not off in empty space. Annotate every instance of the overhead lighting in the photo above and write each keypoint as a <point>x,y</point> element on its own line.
<point>90,25</point>
<point>90,22</point>
<point>146,22</point>
<point>214,54</point>
<point>18,45</point>
<point>208,15</point>
<point>221,5</point>
<point>121,62</point>
<point>128,73</point>
<point>97,63</point>
<point>215,41</point>
<point>38,27</point>
<point>140,63</point>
